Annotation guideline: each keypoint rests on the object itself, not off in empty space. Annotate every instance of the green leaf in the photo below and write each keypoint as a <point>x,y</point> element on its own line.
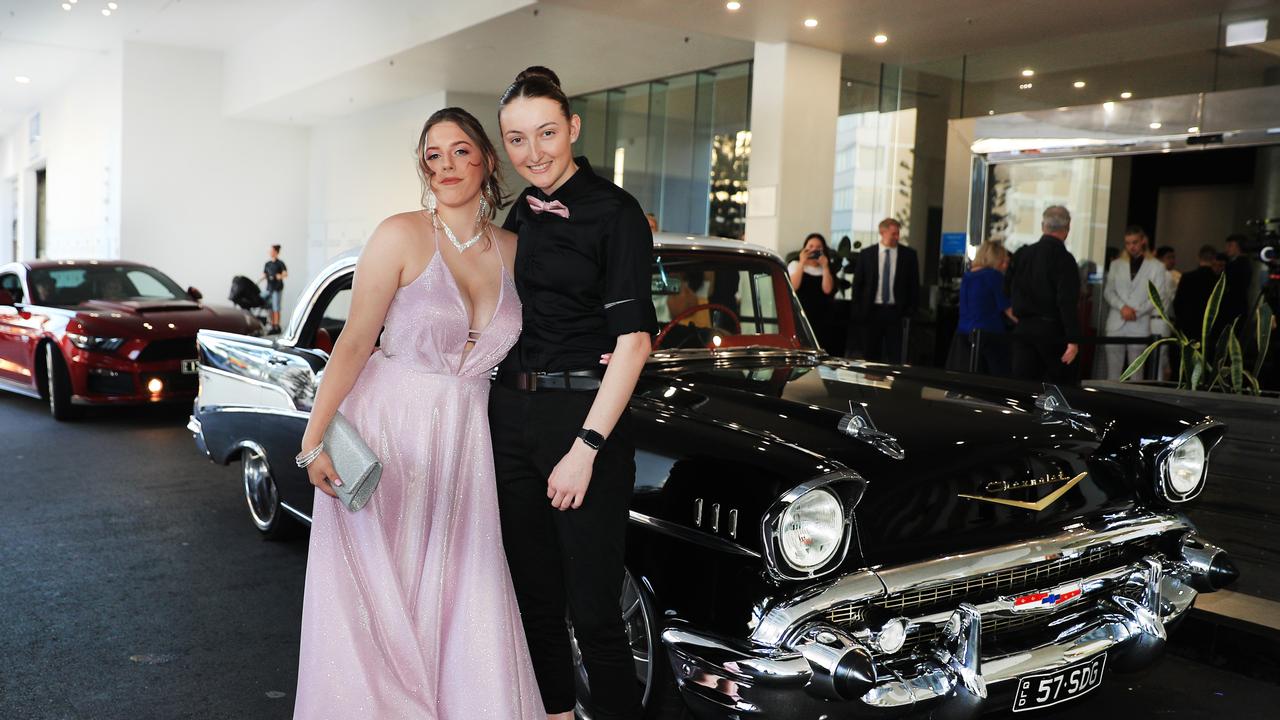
<point>1154,295</point>
<point>1237,365</point>
<point>1211,309</point>
<point>1197,370</point>
<point>1262,334</point>
<point>1141,360</point>
<point>1253,382</point>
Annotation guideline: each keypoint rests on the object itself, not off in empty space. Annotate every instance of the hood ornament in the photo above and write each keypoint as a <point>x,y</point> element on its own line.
<point>1055,410</point>
<point>857,424</point>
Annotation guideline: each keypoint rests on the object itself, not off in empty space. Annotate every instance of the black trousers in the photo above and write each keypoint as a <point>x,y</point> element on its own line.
<point>884,333</point>
<point>1037,357</point>
<point>566,560</point>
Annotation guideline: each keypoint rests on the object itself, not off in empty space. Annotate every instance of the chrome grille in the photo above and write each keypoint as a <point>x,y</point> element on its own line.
<point>984,588</point>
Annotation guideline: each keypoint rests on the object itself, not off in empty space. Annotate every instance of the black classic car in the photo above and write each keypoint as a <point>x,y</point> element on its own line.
<point>813,537</point>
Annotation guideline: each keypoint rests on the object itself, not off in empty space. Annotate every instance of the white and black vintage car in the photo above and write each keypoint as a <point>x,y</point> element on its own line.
<point>813,537</point>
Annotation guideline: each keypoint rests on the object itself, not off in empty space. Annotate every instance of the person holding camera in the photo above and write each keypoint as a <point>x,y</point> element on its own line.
<point>815,285</point>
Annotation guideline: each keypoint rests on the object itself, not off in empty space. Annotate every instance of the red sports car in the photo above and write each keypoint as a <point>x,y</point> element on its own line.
<point>88,332</point>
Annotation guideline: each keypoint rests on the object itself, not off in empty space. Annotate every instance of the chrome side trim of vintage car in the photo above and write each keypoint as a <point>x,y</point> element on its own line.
<point>849,487</point>
<point>787,616</point>
<point>697,537</point>
<point>1213,432</point>
<point>301,516</point>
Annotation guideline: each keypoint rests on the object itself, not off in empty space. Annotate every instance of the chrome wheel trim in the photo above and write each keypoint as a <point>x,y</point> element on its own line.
<point>260,488</point>
<point>635,618</point>
<point>49,360</point>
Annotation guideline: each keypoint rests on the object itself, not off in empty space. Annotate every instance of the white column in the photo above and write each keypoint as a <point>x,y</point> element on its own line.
<point>795,98</point>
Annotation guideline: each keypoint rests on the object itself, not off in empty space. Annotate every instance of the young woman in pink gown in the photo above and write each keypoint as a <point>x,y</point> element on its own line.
<point>409,610</point>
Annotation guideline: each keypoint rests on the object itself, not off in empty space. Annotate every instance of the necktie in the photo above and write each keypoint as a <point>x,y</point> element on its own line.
<point>885,284</point>
<point>555,207</point>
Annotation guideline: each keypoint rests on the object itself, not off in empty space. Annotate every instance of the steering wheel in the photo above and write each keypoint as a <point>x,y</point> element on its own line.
<point>687,312</point>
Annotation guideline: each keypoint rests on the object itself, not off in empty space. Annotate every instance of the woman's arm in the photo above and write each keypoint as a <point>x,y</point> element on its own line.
<point>796,271</point>
<point>376,280</point>
<point>828,279</point>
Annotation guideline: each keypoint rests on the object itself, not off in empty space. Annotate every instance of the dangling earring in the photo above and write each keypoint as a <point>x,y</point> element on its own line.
<point>430,198</point>
<point>482,215</point>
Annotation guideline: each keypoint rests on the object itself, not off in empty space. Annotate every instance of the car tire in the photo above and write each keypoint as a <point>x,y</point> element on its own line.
<point>58,385</point>
<point>660,696</point>
<point>262,496</point>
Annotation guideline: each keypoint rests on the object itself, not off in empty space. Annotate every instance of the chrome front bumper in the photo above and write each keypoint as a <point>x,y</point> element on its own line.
<point>821,671</point>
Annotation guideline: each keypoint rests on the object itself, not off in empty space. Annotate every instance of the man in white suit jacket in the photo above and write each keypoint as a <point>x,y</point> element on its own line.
<point>1131,311</point>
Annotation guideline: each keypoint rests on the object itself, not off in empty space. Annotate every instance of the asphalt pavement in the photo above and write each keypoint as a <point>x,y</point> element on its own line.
<point>132,585</point>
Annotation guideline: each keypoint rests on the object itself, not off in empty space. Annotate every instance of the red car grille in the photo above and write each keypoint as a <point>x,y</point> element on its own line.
<point>169,349</point>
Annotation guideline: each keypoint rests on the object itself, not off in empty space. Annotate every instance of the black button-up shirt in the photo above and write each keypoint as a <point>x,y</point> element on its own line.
<point>583,280</point>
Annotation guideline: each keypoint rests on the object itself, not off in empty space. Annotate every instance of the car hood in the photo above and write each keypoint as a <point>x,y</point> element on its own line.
<point>155,318</point>
<point>965,443</point>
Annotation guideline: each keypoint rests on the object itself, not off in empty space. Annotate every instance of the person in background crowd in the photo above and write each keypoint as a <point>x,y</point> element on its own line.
<point>984,306</point>
<point>653,222</point>
<point>1192,295</point>
<point>274,272</point>
<point>1045,286</point>
<point>1167,255</point>
<point>1238,295</point>
<point>1220,263</point>
<point>886,289</point>
<point>815,285</point>
<point>1132,311</point>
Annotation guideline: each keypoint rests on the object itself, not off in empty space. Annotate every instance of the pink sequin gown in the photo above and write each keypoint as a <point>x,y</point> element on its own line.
<point>409,610</point>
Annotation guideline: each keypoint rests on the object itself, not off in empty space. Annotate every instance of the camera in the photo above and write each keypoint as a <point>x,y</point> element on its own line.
<point>815,254</point>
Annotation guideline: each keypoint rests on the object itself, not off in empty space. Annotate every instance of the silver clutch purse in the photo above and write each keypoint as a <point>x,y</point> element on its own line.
<point>356,464</point>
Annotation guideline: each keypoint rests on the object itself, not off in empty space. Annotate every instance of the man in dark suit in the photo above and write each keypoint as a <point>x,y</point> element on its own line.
<point>886,291</point>
<point>1239,294</point>
<point>1044,286</point>
<point>1193,294</point>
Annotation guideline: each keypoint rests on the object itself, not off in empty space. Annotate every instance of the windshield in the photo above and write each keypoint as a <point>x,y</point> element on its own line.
<point>710,300</point>
<point>71,286</point>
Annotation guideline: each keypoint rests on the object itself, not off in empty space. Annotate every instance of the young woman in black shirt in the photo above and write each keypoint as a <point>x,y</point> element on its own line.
<point>563,449</point>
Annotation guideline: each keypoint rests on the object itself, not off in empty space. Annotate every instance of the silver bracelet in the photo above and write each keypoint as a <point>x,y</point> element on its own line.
<point>305,459</point>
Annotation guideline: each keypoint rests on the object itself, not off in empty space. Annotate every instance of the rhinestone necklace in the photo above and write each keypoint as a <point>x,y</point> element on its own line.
<point>461,246</point>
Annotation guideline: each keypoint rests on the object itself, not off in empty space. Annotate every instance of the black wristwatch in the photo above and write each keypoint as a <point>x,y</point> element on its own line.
<point>592,438</point>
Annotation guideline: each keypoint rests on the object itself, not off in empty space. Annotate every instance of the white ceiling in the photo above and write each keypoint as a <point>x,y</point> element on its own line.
<point>632,40</point>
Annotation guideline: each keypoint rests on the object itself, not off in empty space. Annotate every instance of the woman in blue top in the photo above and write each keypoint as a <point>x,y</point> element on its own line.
<point>984,306</point>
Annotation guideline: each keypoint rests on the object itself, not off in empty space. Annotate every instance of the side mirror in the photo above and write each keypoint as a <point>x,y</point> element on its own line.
<point>6,298</point>
<point>195,294</point>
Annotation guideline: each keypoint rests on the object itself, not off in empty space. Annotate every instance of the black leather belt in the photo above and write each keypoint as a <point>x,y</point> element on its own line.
<point>542,381</point>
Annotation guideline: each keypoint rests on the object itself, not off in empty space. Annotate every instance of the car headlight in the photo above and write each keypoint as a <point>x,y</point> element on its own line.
<point>812,530</point>
<point>94,342</point>
<point>1186,466</point>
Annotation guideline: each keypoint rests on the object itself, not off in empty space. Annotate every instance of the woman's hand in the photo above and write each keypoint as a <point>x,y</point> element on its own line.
<point>322,474</point>
<point>568,483</point>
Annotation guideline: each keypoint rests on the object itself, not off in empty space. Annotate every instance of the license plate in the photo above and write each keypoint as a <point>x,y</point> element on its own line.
<point>1050,688</point>
<point>190,367</point>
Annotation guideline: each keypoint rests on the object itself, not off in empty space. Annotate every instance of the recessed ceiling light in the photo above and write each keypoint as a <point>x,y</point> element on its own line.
<point>66,6</point>
<point>1078,84</point>
<point>1126,95</point>
<point>811,22</point>
<point>1155,126</point>
<point>113,6</point>
<point>733,5</point>
<point>106,11</point>
<point>1108,106</point>
<point>1028,72</point>
<point>1193,129</point>
<point>991,112</point>
<point>21,79</point>
<point>880,38</point>
<point>1025,86</point>
<point>1064,107</point>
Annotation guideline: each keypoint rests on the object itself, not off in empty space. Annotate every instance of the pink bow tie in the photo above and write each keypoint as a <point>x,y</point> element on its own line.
<point>555,207</point>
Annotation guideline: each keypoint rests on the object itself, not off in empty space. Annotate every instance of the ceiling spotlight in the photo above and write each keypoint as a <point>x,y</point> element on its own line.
<point>1077,84</point>
<point>1028,72</point>
<point>1126,95</point>
<point>1025,86</point>
<point>991,112</point>
<point>811,22</point>
<point>1063,108</point>
<point>1194,129</point>
<point>880,38</point>
<point>106,12</point>
<point>1155,126</point>
<point>733,5</point>
<point>66,6</point>
<point>21,79</point>
<point>113,6</point>
<point>1108,106</point>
